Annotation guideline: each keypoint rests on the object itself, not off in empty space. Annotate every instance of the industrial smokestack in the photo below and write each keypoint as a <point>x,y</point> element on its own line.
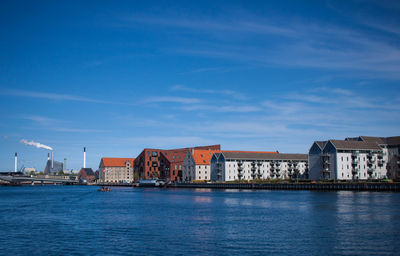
<point>48,156</point>
<point>65,163</point>
<point>52,160</point>
<point>15,162</point>
<point>84,157</point>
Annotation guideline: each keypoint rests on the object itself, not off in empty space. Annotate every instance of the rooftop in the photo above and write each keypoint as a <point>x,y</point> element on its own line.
<point>355,145</point>
<point>116,161</point>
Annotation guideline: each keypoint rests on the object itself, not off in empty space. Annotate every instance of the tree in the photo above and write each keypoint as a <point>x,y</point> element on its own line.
<point>60,173</point>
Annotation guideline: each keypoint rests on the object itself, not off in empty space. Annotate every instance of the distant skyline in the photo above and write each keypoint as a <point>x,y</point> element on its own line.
<point>121,76</point>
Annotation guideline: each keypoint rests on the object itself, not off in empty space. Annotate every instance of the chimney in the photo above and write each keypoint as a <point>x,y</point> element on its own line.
<point>84,157</point>
<point>15,162</point>
<point>52,160</point>
<point>65,163</point>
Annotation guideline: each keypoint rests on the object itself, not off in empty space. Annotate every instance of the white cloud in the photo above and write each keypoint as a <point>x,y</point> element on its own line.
<point>171,99</point>
<point>49,96</point>
<point>231,93</point>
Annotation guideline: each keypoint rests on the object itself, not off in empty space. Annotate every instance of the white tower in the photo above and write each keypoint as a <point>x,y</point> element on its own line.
<point>15,162</point>
<point>84,157</point>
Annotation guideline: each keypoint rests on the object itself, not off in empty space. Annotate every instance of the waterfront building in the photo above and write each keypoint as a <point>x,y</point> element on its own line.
<point>391,152</point>
<point>164,164</point>
<point>245,165</point>
<point>347,160</point>
<point>86,174</point>
<point>393,165</point>
<point>118,170</point>
<point>196,166</point>
<point>53,167</point>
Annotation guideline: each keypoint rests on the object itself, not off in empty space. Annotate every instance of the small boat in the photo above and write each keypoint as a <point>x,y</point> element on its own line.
<point>104,189</point>
<point>151,183</point>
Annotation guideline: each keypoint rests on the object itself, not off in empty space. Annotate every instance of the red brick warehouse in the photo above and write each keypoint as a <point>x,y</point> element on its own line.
<point>164,164</point>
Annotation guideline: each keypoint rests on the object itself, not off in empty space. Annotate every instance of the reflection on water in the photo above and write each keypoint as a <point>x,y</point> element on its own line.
<point>137,221</point>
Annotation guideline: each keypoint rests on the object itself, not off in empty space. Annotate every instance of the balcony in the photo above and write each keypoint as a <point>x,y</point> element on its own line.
<point>219,174</point>
<point>240,169</point>
<point>355,153</point>
<point>326,170</point>
<point>253,163</point>
<point>355,170</point>
<point>239,163</point>
<point>259,163</point>
<point>253,169</point>
<point>370,171</point>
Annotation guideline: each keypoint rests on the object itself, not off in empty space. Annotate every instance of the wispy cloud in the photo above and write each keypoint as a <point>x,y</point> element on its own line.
<point>52,124</point>
<point>170,141</point>
<point>171,99</point>
<point>209,25</point>
<point>230,93</point>
<point>223,108</point>
<point>301,43</point>
<point>49,96</point>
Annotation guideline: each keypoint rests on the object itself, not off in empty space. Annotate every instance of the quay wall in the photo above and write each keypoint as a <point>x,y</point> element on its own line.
<point>393,187</point>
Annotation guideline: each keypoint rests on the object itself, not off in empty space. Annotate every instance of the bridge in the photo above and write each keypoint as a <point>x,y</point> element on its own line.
<point>19,179</point>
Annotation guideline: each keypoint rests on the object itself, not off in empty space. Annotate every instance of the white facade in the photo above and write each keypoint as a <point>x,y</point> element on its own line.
<point>347,160</point>
<point>248,166</point>
<point>196,169</point>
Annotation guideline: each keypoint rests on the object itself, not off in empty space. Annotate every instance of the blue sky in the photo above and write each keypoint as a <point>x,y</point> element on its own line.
<point>117,77</point>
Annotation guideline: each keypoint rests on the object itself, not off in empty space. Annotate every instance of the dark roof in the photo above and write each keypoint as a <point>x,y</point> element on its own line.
<point>377,140</point>
<point>393,140</point>
<point>355,145</point>
<point>321,144</point>
<point>264,156</point>
<point>88,171</point>
<point>353,138</point>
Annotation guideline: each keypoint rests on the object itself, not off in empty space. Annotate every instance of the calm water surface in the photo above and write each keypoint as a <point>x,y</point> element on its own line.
<point>59,220</point>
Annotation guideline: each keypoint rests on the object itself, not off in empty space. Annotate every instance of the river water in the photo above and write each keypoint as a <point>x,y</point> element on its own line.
<point>79,220</point>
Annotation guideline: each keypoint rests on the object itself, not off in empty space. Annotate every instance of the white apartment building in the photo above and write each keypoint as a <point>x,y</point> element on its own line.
<point>196,166</point>
<point>231,166</point>
<point>391,149</point>
<point>347,160</point>
<point>116,170</point>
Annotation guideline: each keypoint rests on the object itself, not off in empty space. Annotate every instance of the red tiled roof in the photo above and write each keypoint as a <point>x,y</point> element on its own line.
<point>116,162</point>
<point>203,156</point>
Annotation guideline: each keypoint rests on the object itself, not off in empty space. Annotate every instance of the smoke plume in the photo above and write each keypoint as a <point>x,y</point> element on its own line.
<point>35,144</point>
